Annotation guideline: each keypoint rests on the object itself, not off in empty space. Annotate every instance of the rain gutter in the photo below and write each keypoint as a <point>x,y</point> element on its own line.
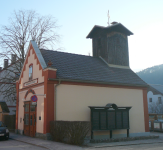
<point>96,82</point>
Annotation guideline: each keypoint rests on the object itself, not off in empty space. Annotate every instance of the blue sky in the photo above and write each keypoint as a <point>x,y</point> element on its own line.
<point>76,18</point>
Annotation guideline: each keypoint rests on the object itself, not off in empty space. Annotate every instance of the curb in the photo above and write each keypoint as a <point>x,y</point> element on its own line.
<point>123,145</point>
<point>29,143</point>
<point>125,139</point>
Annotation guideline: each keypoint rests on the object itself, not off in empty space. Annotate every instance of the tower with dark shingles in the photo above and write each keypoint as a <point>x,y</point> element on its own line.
<point>111,43</point>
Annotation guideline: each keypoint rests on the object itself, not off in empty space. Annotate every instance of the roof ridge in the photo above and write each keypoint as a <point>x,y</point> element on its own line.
<point>68,53</point>
<point>156,84</point>
<point>10,65</point>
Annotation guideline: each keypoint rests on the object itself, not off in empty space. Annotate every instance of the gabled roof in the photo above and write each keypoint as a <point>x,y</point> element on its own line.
<point>39,56</point>
<point>156,88</point>
<point>118,27</point>
<point>4,107</point>
<point>10,65</point>
<point>87,68</point>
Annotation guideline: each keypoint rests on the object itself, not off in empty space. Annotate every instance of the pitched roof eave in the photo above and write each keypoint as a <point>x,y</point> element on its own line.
<point>39,55</point>
<point>98,82</point>
<point>154,90</point>
<point>115,27</point>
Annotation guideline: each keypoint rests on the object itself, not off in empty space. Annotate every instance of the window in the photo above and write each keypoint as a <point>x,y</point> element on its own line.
<point>26,119</point>
<point>30,71</point>
<point>150,99</point>
<point>26,107</point>
<point>32,107</point>
<point>159,100</point>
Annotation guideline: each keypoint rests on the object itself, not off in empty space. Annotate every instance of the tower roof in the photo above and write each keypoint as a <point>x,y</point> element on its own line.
<point>104,30</point>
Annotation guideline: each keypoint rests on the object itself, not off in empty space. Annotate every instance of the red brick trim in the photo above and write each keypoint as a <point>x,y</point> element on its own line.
<point>146,116</point>
<point>30,65</point>
<point>29,91</point>
<point>48,101</point>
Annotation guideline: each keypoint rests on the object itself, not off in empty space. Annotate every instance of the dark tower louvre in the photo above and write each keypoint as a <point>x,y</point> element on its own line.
<point>111,43</point>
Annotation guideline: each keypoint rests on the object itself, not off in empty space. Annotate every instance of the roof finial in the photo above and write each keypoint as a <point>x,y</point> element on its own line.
<point>50,63</point>
<point>108,18</point>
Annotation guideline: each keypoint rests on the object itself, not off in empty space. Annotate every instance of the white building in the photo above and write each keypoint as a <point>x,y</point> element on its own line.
<point>155,98</point>
<point>8,76</point>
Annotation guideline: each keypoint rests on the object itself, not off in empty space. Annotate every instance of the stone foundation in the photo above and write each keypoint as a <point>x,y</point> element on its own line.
<point>46,136</point>
<point>17,131</point>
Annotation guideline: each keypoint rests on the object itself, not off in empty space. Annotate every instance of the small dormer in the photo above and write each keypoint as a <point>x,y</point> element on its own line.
<point>111,43</point>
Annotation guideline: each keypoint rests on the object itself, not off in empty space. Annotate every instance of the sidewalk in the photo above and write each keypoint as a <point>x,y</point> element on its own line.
<point>61,146</point>
<point>44,143</point>
<point>126,143</point>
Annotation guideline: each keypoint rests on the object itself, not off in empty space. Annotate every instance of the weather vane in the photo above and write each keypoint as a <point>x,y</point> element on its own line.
<point>108,18</point>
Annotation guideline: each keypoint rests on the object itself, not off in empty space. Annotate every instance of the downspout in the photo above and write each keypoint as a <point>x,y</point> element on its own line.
<point>55,87</point>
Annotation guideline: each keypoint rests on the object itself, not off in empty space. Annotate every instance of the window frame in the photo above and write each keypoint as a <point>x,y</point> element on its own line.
<point>30,78</point>
<point>159,100</point>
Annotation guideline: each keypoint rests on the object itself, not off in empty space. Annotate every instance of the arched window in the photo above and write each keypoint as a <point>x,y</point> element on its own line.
<point>30,71</point>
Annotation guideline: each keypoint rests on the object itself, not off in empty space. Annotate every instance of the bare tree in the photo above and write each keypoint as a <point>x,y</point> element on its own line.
<point>155,107</point>
<point>14,39</point>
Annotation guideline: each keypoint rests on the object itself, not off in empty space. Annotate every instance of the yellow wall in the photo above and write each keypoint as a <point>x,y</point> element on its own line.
<point>36,72</point>
<point>38,90</point>
<point>73,101</point>
<point>40,108</point>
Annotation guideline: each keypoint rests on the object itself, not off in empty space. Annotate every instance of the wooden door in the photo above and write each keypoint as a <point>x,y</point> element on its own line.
<point>26,118</point>
<point>32,120</point>
<point>29,119</point>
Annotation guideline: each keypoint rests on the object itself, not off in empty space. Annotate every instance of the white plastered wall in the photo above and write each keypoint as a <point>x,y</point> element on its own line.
<point>40,109</point>
<point>154,100</point>
<point>72,104</point>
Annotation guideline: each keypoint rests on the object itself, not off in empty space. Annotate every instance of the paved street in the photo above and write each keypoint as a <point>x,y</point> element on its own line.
<point>17,145</point>
<point>19,142</point>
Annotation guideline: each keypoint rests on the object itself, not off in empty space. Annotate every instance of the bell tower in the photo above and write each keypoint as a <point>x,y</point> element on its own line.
<point>111,43</point>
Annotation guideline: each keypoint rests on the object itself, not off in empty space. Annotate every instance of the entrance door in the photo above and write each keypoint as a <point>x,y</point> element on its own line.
<point>29,119</point>
<point>32,120</point>
<point>26,117</point>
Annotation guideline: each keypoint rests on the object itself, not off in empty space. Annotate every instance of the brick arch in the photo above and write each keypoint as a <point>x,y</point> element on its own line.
<point>29,91</point>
